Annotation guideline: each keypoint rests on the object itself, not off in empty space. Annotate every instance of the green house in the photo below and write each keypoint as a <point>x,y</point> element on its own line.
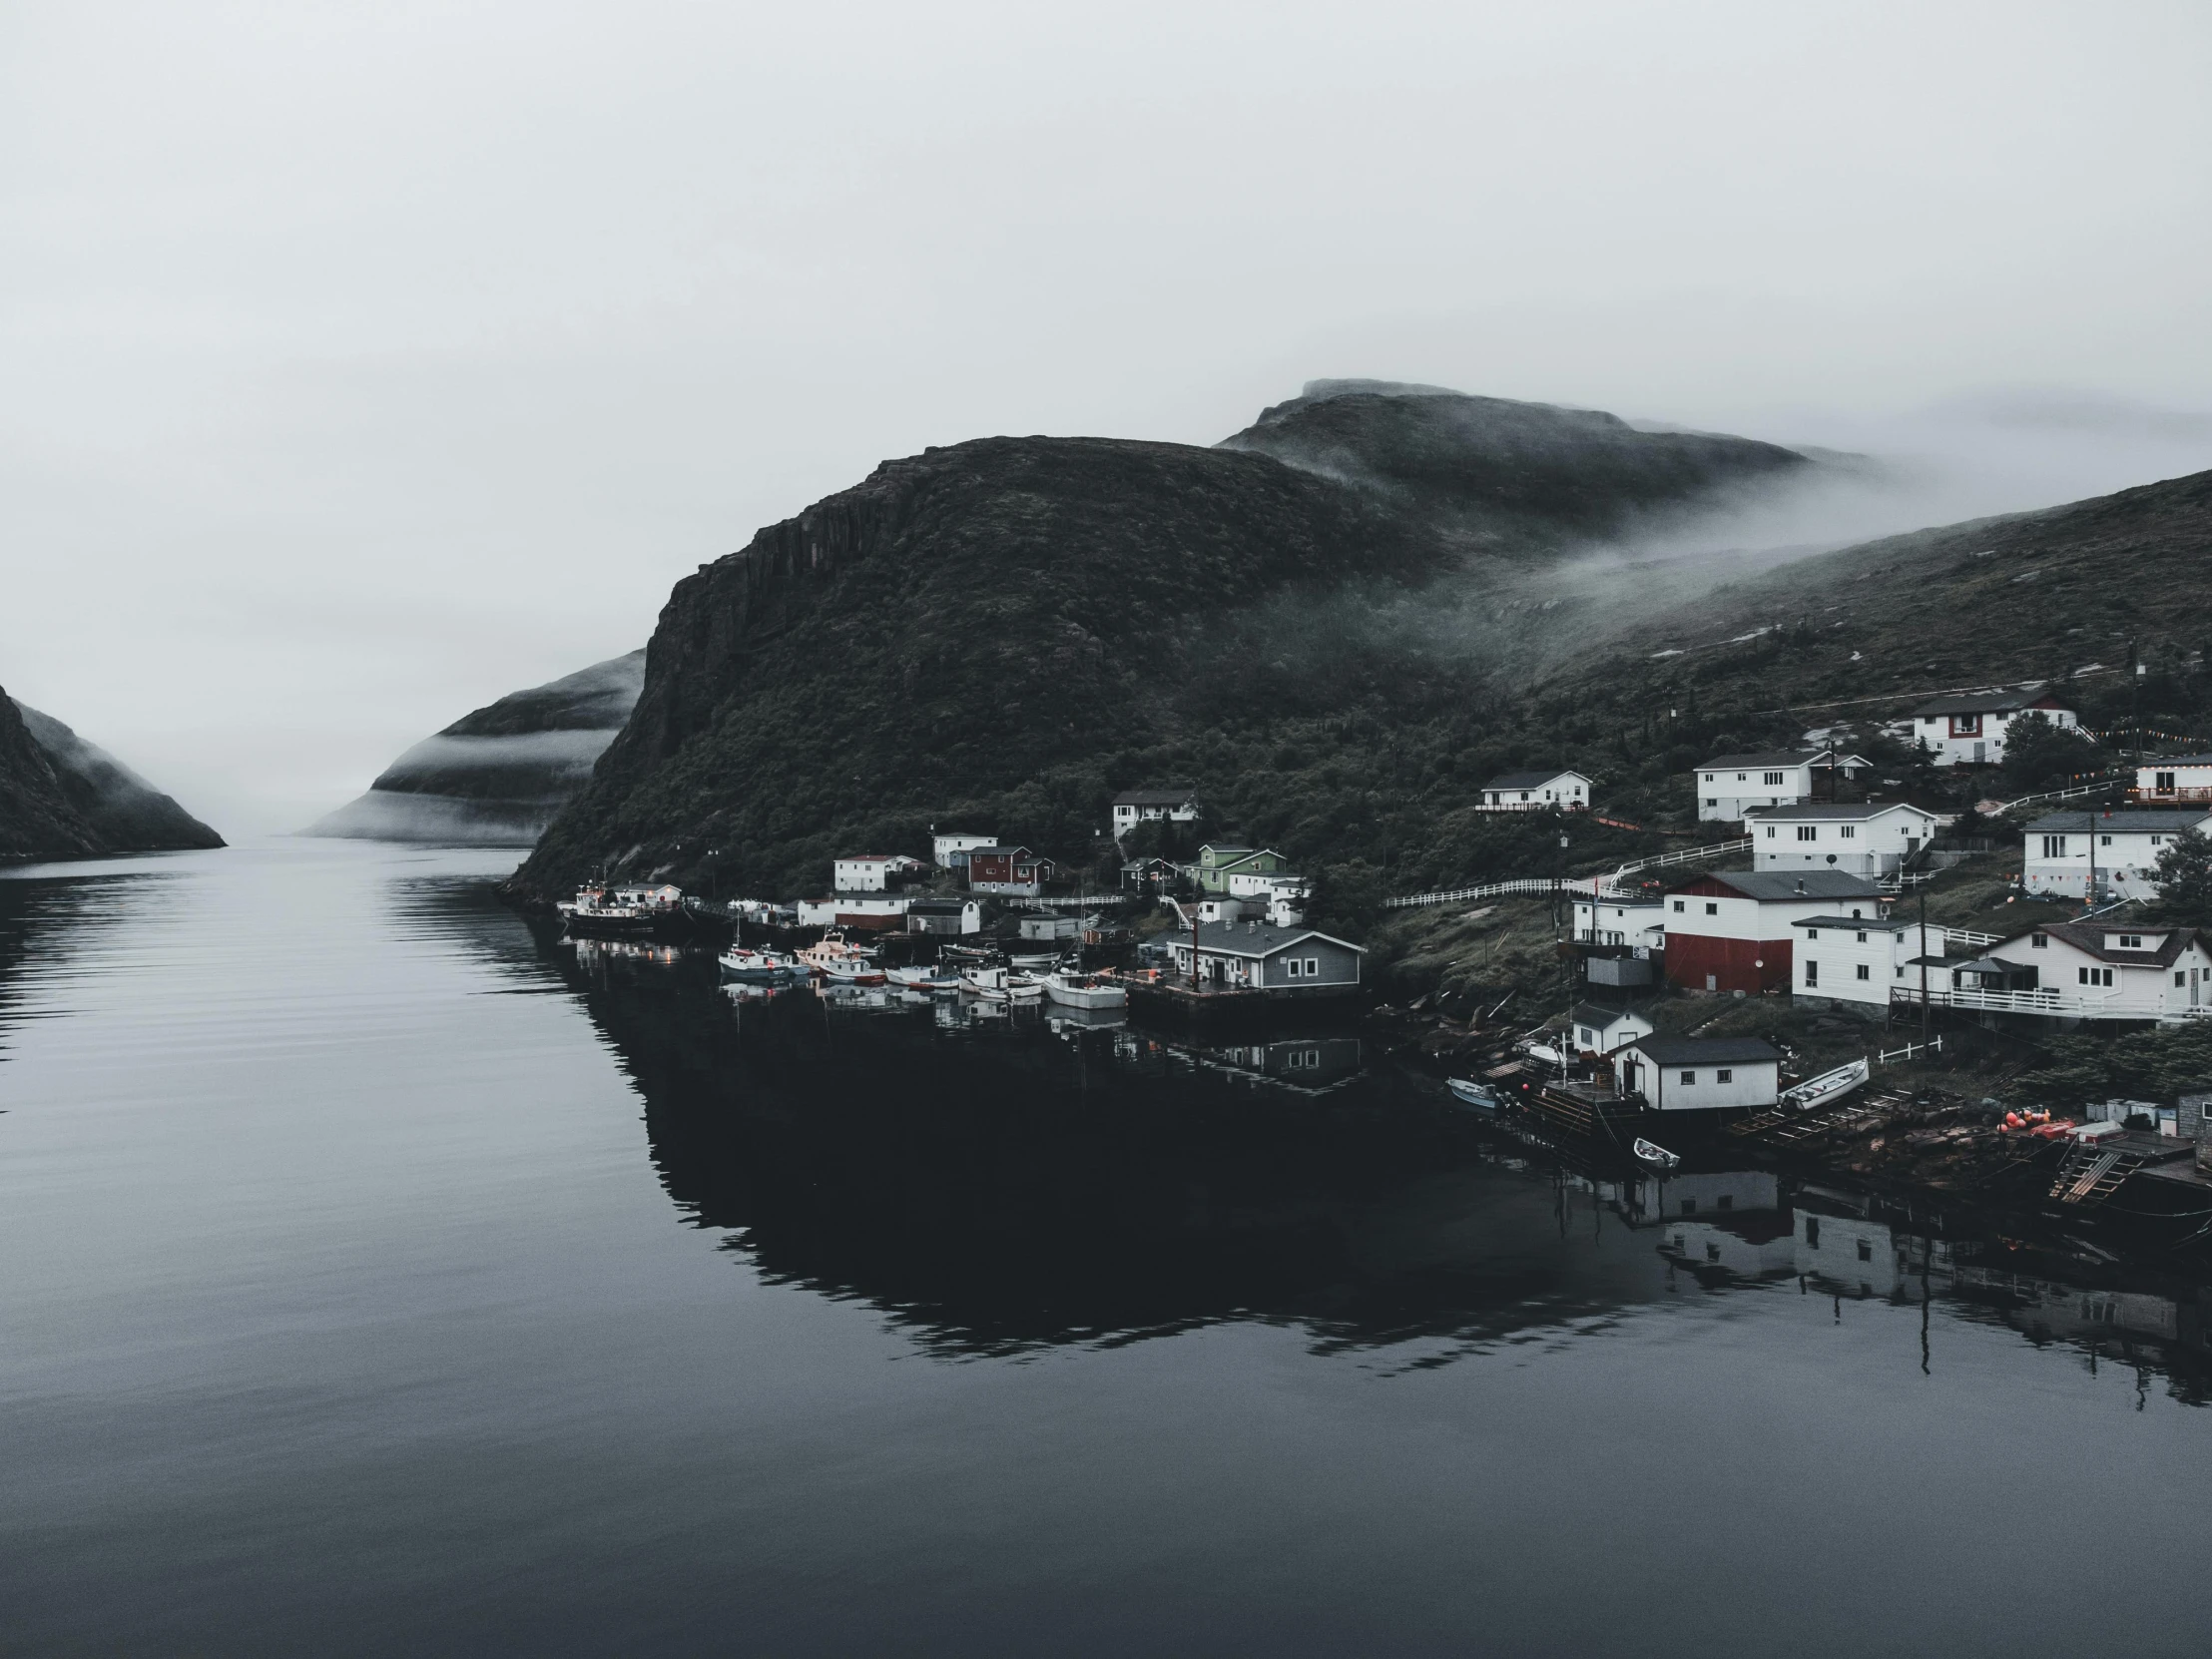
<point>1217,863</point>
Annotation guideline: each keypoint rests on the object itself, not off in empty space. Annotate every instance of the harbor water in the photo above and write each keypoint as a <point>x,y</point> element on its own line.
<point>384,1276</point>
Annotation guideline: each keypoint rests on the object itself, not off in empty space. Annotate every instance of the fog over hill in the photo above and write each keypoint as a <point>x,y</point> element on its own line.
<point>496,776</point>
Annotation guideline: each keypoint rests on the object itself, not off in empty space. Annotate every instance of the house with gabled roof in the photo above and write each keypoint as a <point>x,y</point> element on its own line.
<point>1700,1074</point>
<point>1731,786</point>
<point>1969,727</point>
<point>1594,1028</point>
<point>1732,930</point>
<point>1535,791</point>
<point>1134,806</point>
<point>2099,853</point>
<point>1216,865</point>
<point>1862,838</point>
<point>1253,955</point>
<point>2173,780</point>
<point>2106,968</point>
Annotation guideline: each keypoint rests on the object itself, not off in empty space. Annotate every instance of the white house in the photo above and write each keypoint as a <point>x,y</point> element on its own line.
<point>1535,791</point>
<point>952,916</point>
<point>1732,930</point>
<point>1729,785</point>
<point>2175,779</point>
<point>1135,807</point>
<point>1699,1074</point>
<point>1969,729</point>
<point>1631,921</point>
<point>1597,1029</point>
<point>2105,970</point>
<point>1869,837</point>
<point>950,852</point>
<point>871,872</point>
<point>2069,853</point>
<point>1857,960</point>
<point>853,910</point>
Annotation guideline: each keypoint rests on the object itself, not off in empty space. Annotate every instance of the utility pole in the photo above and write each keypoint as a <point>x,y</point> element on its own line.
<point>1923,961</point>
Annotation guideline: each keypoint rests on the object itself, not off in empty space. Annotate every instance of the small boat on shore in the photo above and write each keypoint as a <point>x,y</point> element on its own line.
<point>1481,1096</point>
<point>1085,990</point>
<point>1827,1088</point>
<point>1657,1156</point>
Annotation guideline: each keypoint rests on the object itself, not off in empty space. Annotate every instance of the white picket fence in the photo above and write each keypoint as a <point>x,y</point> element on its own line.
<point>1597,885</point>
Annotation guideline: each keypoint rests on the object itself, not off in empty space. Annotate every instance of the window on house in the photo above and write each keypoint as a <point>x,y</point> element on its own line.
<point>2164,782</point>
<point>1812,932</point>
<point>2131,941</point>
<point>1813,1231</point>
<point>1724,1075</point>
<point>2054,847</point>
<point>1712,909</point>
<point>1864,971</point>
<point>1773,778</point>
<point>1866,1249</point>
<point>1711,800</point>
<point>2181,979</point>
<point>1741,775</point>
<point>1807,831</point>
<point>1689,1077</point>
<point>2158,840</point>
<point>2096,976</point>
<point>1724,1201</point>
<point>1712,1251</point>
<point>1861,940</point>
<point>1812,973</point>
<point>1849,831</point>
<point>2107,840</point>
<point>2039,942</point>
<point>1689,1206</point>
<point>1708,776</point>
<point>1313,967</point>
<point>1770,832</point>
<point>1680,906</point>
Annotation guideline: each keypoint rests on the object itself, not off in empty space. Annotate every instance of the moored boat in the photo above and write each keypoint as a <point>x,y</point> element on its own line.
<point>1085,990</point>
<point>1827,1088</point>
<point>1481,1096</point>
<point>924,978</point>
<point>761,967</point>
<point>997,984</point>
<point>841,962</point>
<point>1657,1156</point>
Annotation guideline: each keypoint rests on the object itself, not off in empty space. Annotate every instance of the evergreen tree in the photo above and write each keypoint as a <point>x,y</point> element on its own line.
<point>2185,880</point>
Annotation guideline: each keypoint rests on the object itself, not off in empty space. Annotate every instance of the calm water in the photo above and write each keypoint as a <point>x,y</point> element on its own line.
<point>381,1278</point>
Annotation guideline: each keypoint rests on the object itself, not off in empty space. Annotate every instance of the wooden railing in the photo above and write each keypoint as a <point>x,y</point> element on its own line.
<point>1597,886</point>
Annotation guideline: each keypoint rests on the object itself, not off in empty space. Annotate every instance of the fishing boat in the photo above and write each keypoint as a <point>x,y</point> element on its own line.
<point>1657,1156</point>
<point>1085,990</point>
<point>602,911</point>
<point>1827,1088</point>
<point>1481,1096</point>
<point>997,984</point>
<point>761,967</point>
<point>841,961</point>
<point>924,978</point>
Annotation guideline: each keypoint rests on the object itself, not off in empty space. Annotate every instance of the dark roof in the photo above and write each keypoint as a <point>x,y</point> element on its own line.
<point>1765,757</point>
<point>2088,938</point>
<point>1857,811</point>
<point>2114,824</point>
<point>1880,924</point>
<point>1531,779</point>
<point>1242,938</point>
<point>1155,798</point>
<point>1018,852</point>
<point>1774,884</point>
<point>1704,1051</point>
<point>938,906</point>
<point>2151,763</point>
<point>1982,703</point>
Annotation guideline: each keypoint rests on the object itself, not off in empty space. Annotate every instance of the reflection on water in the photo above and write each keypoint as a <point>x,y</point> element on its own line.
<point>1000,1179</point>
<point>385,1275</point>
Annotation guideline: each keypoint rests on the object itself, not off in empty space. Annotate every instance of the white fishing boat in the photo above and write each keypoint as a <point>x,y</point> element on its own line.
<point>997,984</point>
<point>841,961</point>
<point>924,978</point>
<point>1657,1156</point>
<point>759,967</point>
<point>1085,990</point>
<point>1827,1088</point>
<point>1481,1096</point>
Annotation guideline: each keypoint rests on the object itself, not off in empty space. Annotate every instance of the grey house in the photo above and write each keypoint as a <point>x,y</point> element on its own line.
<point>1254,956</point>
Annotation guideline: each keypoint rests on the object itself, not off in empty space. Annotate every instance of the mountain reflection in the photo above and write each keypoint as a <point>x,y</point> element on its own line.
<point>1003,1185</point>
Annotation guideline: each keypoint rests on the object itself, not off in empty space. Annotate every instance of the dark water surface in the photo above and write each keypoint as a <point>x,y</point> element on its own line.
<point>376,1277</point>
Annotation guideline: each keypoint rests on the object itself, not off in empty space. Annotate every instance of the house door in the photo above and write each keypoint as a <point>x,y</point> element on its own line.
<point>1980,753</point>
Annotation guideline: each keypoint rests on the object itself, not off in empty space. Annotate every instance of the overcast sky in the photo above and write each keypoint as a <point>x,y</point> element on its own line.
<point>359,363</point>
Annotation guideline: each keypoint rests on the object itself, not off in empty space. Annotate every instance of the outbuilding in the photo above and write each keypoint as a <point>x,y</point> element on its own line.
<point>1700,1074</point>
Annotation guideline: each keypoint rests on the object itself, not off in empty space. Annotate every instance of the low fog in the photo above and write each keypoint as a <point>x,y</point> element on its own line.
<point>361,363</point>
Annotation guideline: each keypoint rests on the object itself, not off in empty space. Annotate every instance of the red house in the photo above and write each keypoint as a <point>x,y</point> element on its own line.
<point>1731,932</point>
<point>1008,869</point>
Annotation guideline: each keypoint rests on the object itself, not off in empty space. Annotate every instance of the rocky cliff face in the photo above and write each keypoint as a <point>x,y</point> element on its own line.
<point>64,797</point>
<point>1520,480</point>
<point>496,777</point>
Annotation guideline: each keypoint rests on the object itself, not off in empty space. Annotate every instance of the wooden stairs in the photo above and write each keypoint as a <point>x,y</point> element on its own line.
<point>2090,1173</point>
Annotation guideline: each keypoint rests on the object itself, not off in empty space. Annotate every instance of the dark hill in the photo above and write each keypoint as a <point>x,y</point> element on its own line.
<point>64,797</point>
<point>497,776</point>
<point>1516,479</point>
